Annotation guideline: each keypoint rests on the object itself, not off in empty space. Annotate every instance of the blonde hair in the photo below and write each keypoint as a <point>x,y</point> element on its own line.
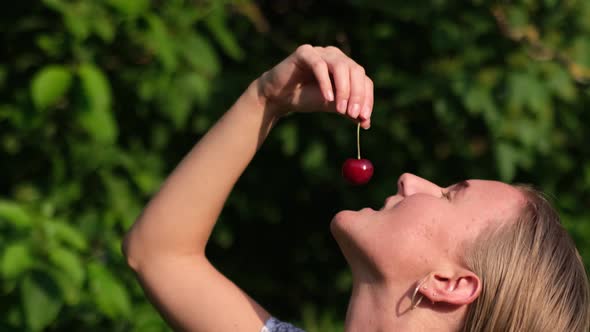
<point>533,278</point>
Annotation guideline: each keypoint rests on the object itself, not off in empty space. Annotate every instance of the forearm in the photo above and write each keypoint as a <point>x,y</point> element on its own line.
<point>181,216</point>
<point>166,245</point>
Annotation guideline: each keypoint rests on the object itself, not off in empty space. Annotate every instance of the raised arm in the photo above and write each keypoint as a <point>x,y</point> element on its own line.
<point>166,245</point>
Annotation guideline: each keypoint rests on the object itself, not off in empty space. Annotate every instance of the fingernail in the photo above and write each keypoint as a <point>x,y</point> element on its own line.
<point>354,111</point>
<point>342,106</point>
<point>330,96</point>
<point>366,111</point>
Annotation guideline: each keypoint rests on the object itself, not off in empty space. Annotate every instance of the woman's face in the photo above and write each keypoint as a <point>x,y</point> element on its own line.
<point>423,227</point>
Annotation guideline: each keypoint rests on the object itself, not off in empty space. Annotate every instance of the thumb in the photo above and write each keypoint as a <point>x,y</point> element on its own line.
<point>309,98</point>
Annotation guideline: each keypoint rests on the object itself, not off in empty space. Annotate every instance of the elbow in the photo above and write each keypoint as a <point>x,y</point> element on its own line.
<point>143,248</point>
<point>129,250</point>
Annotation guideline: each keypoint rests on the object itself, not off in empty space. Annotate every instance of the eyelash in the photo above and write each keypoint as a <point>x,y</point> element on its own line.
<point>446,195</point>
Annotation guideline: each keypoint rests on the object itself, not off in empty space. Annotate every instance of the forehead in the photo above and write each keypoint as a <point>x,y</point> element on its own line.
<point>488,199</point>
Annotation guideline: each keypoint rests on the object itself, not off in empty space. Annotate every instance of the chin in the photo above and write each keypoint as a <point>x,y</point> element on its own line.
<point>346,227</point>
<point>343,224</point>
<point>340,227</point>
<point>350,218</point>
<point>349,230</point>
<point>337,225</point>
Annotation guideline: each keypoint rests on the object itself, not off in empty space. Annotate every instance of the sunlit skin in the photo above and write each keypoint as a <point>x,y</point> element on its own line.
<point>166,245</point>
<point>420,231</point>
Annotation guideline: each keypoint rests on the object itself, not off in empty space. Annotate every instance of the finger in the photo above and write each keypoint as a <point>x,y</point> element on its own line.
<point>338,64</point>
<point>367,108</point>
<point>307,55</point>
<point>341,75</point>
<point>357,90</point>
<point>310,99</point>
<point>366,124</point>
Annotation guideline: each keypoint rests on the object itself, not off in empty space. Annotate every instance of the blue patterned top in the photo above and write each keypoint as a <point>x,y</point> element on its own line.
<point>275,325</point>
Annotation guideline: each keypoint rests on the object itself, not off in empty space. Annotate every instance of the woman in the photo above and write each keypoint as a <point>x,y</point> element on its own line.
<point>476,256</point>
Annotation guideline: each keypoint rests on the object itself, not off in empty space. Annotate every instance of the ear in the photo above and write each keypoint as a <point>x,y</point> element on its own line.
<point>458,288</point>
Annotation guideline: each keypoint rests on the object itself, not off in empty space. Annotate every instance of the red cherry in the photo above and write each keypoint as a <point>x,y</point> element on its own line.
<point>357,171</point>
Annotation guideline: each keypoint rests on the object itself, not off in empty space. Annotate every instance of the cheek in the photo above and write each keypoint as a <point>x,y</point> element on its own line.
<point>418,218</point>
<point>402,252</point>
<point>419,231</point>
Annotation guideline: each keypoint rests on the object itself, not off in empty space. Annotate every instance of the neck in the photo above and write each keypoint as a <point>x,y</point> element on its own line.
<point>379,307</point>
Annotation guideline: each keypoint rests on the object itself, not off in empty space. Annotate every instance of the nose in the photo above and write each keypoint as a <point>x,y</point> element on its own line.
<point>409,184</point>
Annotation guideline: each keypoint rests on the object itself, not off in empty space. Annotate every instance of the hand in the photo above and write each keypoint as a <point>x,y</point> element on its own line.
<point>303,83</point>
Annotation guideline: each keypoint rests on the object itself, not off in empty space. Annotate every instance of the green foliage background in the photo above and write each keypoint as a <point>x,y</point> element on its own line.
<point>100,99</point>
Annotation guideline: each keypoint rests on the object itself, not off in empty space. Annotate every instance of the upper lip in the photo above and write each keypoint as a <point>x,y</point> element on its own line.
<point>392,201</point>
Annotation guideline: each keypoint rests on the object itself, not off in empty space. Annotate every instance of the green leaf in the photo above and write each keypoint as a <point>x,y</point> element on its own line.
<point>70,235</point>
<point>14,213</point>
<point>289,136</point>
<point>146,319</point>
<point>216,24</point>
<point>110,295</point>
<point>198,87</point>
<point>56,5</point>
<point>561,84</point>
<point>517,17</point>
<point>78,25</point>
<point>198,52</point>
<point>69,263</point>
<point>16,259</point>
<point>314,156</point>
<point>132,8</point>
<point>41,300</point>
<point>528,133</point>
<point>11,319</point>
<point>178,103</point>
<point>72,293</point>
<point>104,27</point>
<point>161,43</point>
<point>123,204</point>
<point>68,272</point>
<point>96,116</point>
<point>506,158</point>
<point>527,90</point>
<point>478,99</point>
<point>49,85</point>
<point>147,181</point>
<point>95,86</point>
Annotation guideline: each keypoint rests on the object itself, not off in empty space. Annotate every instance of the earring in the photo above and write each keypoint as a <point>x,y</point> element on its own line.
<point>416,302</point>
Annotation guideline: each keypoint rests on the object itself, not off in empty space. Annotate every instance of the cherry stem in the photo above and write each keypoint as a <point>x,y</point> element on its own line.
<point>358,142</point>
